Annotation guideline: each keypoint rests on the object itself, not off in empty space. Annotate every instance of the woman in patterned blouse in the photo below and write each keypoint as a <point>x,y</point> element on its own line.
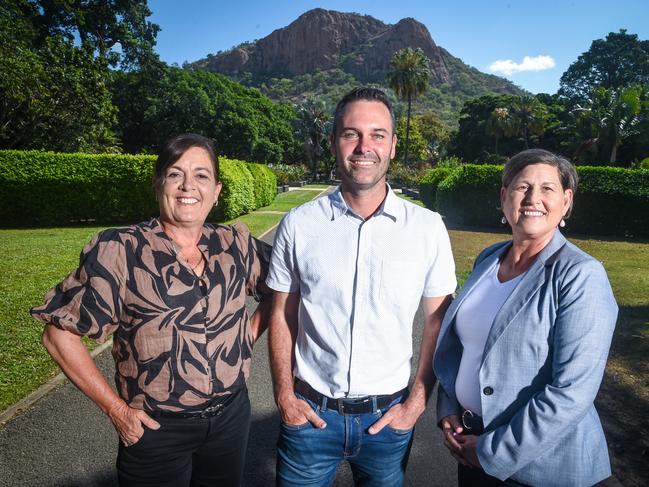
<point>172,292</point>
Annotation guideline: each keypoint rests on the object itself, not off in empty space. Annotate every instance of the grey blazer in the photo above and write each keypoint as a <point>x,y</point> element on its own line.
<point>542,367</point>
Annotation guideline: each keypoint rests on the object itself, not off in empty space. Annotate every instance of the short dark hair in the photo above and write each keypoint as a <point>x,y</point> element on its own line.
<point>361,93</point>
<point>174,149</point>
<point>567,172</point>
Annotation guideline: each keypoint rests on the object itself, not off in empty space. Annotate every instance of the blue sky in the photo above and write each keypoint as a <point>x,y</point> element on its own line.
<point>492,35</point>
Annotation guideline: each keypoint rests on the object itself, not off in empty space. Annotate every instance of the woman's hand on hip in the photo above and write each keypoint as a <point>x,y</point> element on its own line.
<point>130,422</point>
<point>451,431</point>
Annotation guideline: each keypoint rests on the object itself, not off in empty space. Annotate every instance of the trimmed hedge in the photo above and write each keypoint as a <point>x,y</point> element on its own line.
<point>48,189</point>
<point>238,193</point>
<point>609,200</point>
<point>265,184</point>
<point>428,185</point>
<point>470,195</point>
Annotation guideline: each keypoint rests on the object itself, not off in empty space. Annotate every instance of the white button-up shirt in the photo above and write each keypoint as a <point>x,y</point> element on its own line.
<point>360,284</point>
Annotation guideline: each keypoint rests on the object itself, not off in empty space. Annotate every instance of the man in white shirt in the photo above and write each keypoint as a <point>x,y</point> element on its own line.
<point>349,271</point>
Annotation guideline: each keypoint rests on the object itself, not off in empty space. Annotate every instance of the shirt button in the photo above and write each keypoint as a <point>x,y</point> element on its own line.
<point>488,391</point>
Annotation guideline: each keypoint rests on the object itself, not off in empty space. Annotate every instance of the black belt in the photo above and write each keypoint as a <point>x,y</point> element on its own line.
<point>214,408</point>
<point>345,405</point>
<point>472,423</point>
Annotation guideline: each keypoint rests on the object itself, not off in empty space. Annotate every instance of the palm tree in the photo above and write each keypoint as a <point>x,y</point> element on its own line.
<point>499,124</point>
<point>615,114</point>
<point>312,127</point>
<point>409,77</point>
<point>529,116</point>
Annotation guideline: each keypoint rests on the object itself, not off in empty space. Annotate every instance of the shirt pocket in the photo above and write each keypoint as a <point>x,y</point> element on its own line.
<point>401,282</point>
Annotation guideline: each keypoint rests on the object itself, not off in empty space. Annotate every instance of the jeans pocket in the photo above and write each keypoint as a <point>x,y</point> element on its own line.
<point>398,431</point>
<point>295,427</point>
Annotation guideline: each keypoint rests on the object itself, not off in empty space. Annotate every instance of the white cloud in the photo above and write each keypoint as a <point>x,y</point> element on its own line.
<point>509,67</point>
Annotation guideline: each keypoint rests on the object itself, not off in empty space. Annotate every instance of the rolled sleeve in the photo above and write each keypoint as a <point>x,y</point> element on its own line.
<point>88,301</point>
<point>257,260</point>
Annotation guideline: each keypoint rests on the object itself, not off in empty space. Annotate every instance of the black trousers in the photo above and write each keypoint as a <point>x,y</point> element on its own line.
<point>192,452</point>
<point>476,477</point>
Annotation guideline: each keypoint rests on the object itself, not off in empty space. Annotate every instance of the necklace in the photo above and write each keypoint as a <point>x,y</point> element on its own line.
<point>178,253</point>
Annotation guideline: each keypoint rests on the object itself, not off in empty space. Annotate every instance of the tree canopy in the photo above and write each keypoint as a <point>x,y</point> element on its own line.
<point>619,60</point>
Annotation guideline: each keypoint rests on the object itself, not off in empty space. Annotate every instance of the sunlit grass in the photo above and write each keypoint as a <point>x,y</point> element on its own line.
<point>34,260</point>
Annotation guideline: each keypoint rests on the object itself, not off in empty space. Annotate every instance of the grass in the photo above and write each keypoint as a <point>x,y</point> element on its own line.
<point>290,199</point>
<point>33,261</point>
<point>623,400</point>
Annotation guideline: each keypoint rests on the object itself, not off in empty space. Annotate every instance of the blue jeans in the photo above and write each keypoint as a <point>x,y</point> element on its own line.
<point>309,456</point>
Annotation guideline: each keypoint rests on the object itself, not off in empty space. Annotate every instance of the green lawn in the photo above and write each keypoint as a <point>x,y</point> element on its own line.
<point>623,400</point>
<point>33,261</point>
<point>36,259</point>
<point>286,201</point>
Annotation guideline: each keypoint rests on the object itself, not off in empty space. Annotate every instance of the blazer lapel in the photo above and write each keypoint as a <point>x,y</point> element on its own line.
<point>529,285</point>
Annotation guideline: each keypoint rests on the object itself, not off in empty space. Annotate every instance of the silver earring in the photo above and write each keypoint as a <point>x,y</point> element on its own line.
<point>503,220</point>
<point>562,223</point>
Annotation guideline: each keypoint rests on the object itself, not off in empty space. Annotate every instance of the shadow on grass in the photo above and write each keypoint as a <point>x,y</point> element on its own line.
<point>623,400</point>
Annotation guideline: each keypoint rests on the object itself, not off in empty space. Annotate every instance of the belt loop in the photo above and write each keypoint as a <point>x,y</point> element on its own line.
<point>374,405</point>
<point>323,403</point>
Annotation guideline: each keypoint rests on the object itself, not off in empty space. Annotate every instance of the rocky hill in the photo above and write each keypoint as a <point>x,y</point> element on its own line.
<point>346,49</point>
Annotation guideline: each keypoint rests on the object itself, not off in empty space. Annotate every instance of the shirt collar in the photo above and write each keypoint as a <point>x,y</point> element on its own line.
<point>392,206</point>
<point>202,244</point>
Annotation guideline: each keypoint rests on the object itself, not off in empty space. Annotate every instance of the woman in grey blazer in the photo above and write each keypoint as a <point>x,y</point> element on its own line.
<point>522,349</point>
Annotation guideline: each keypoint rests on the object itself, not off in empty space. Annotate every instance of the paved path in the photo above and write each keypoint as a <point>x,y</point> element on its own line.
<point>64,440</point>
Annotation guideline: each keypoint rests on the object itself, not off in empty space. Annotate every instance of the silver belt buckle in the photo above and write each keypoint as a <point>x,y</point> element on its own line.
<point>467,414</point>
<point>211,411</point>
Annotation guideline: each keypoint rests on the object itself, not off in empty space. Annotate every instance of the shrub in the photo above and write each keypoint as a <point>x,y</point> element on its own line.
<point>611,201</point>
<point>289,173</point>
<point>265,184</point>
<point>405,176</point>
<point>238,193</point>
<point>428,185</point>
<point>470,195</point>
<point>47,189</point>
<point>450,162</point>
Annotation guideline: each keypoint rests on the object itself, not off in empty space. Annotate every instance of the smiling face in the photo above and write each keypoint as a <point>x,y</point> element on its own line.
<point>189,189</point>
<point>364,145</point>
<point>535,202</point>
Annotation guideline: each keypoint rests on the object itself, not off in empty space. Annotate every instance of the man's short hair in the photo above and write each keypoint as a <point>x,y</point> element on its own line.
<point>365,94</point>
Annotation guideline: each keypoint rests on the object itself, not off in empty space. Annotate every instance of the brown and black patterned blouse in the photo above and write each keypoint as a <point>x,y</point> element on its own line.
<point>179,340</point>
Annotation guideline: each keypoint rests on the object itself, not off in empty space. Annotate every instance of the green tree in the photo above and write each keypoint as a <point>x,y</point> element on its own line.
<point>528,116</point>
<point>116,31</point>
<point>418,148</point>
<point>53,94</point>
<point>471,142</point>
<point>159,104</point>
<point>409,77</point>
<point>499,124</point>
<point>619,60</point>
<point>435,133</point>
<point>615,114</point>
<point>313,124</point>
